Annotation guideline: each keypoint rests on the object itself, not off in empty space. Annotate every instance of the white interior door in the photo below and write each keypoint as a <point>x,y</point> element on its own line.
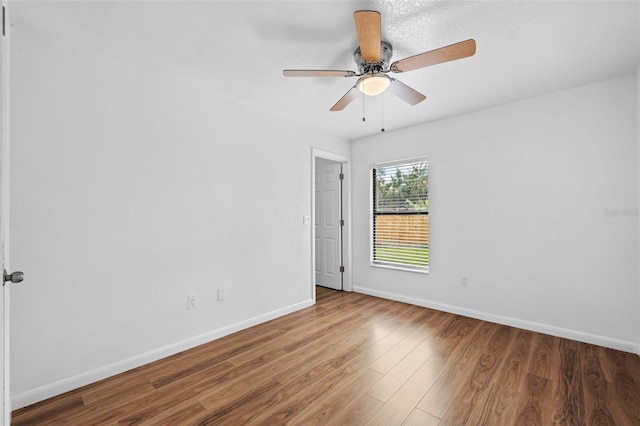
<point>4,220</point>
<point>328,216</point>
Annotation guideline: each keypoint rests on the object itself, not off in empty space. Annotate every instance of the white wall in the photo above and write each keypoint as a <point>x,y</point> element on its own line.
<point>131,191</point>
<point>536,202</point>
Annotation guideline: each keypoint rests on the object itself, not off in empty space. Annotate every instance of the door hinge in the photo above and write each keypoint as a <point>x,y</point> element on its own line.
<point>341,222</point>
<point>342,269</point>
<point>341,176</point>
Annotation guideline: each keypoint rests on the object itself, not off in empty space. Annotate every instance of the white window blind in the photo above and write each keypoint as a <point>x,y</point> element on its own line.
<point>400,215</point>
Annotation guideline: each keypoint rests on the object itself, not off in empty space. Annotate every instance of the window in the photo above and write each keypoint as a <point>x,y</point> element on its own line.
<point>400,215</point>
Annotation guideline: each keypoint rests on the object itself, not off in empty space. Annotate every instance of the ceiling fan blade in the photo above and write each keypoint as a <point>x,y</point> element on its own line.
<point>346,99</point>
<point>317,73</point>
<point>368,29</point>
<point>406,93</point>
<point>444,54</point>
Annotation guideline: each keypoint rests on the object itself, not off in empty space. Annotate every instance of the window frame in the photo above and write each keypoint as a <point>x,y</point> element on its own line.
<point>372,214</point>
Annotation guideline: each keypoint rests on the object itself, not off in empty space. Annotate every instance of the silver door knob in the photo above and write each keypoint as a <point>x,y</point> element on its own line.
<point>15,277</point>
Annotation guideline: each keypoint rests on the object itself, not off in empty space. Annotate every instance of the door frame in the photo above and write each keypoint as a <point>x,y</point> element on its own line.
<point>5,415</point>
<point>347,284</point>
<point>329,221</point>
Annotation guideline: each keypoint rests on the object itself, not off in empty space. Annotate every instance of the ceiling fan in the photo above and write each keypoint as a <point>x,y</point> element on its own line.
<point>373,56</point>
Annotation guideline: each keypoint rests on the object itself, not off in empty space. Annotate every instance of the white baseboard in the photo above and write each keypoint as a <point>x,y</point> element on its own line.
<point>61,386</point>
<point>622,345</point>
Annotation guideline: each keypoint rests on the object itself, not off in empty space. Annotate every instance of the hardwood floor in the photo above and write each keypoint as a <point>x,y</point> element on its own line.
<point>356,359</point>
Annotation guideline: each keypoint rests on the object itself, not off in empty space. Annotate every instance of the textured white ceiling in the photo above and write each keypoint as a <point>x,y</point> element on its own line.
<point>240,48</point>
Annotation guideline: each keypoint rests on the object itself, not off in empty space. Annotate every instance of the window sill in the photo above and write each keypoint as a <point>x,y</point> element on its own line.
<point>399,268</point>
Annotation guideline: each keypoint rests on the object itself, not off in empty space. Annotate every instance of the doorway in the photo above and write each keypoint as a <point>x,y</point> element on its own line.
<point>331,242</point>
<point>5,401</point>
<point>328,222</point>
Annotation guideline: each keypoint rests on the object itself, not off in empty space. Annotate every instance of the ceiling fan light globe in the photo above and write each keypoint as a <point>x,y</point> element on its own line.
<point>372,85</point>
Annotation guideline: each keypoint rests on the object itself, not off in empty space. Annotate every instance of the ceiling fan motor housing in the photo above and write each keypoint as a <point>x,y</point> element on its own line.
<point>364,67</point>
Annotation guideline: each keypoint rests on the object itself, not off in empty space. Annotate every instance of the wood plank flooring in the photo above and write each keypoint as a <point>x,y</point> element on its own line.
<point>356,359</point>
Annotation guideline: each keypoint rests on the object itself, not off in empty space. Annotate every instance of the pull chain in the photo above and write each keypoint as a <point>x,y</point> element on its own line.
<point>363,119</point>
<point>382,103</point>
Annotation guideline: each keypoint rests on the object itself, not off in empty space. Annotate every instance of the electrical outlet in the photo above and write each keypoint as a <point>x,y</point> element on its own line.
<point>221,294</point>
<point>465,282</point>
<point>192,301</point>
